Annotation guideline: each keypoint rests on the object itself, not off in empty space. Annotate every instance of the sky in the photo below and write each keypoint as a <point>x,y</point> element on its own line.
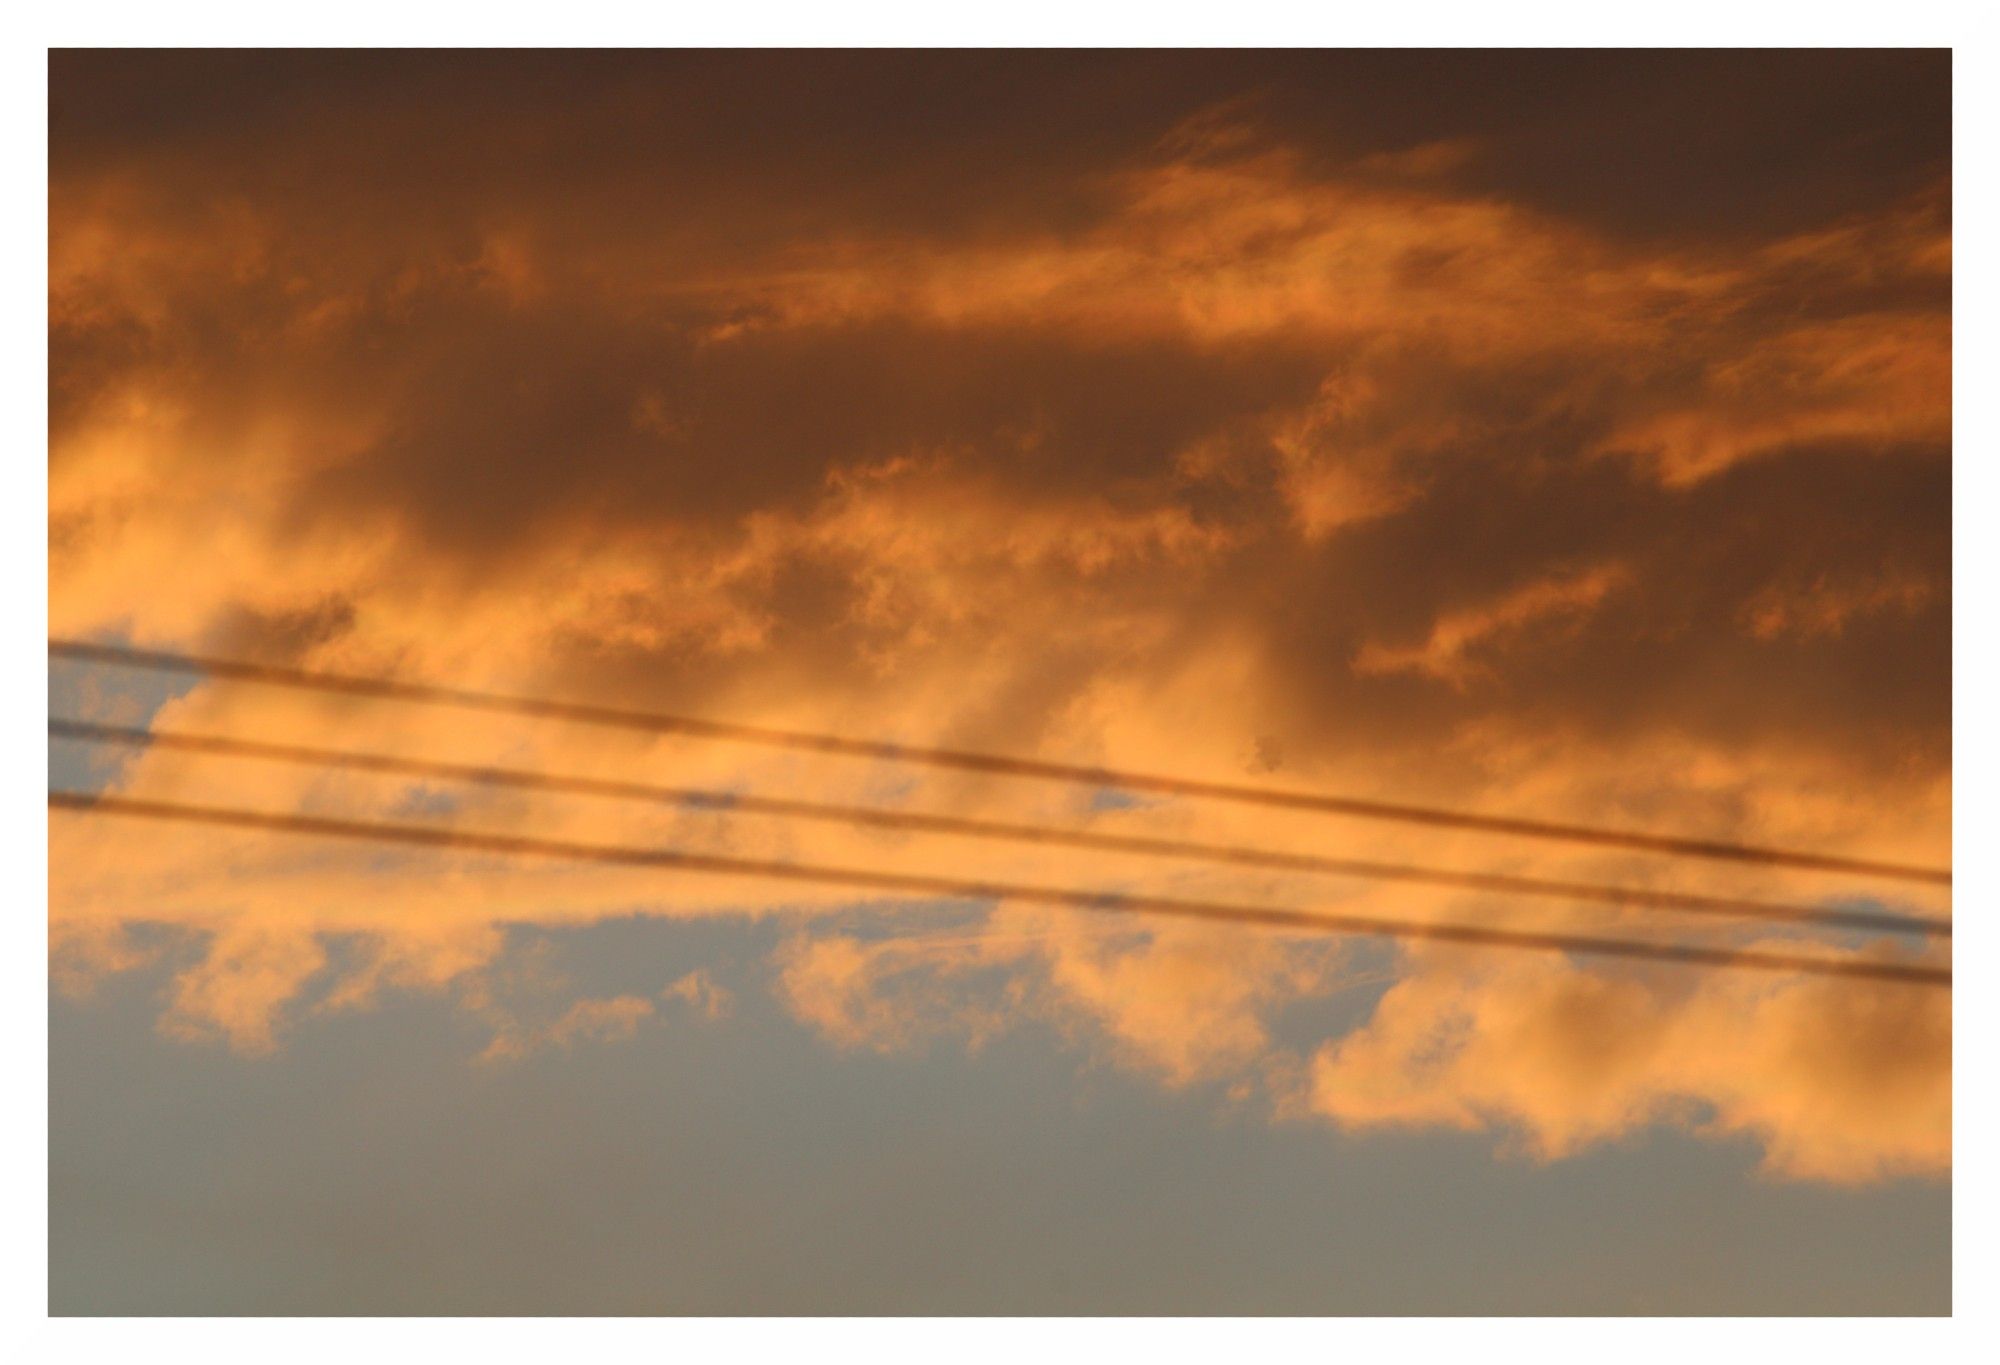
<point>1558,435</point>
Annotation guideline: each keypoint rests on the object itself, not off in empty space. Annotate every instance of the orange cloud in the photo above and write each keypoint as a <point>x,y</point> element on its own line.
<point>1219,466</point>
<point>1443,654</point>
<point>1825,606</point>
<point>1881,381</point>
<point>235,992</point>
<point>613,1020</point>
<point>1182,1004</point>
<point>1838,1085</point>
<point>700,992</point>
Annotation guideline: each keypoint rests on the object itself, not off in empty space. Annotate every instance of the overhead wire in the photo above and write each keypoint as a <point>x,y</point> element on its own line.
<point>913,884</point>
<point>709,800</point>
<point>401,690</point>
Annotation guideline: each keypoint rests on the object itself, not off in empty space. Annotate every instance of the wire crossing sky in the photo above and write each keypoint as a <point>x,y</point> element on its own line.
<point>1110,902</point>
<point>724,803</point>
<point>825,681</point>
<point>391,689</point>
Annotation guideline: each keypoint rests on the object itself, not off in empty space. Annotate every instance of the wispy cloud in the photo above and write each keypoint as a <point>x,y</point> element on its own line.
<point>1410,469</point>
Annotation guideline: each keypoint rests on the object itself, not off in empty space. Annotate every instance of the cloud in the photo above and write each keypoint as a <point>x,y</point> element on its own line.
<point>1880,382</point>
<point>612,1020</point>
<point>703,994</point>
<point>1825,604</point>
<point>1252,426</point>
<point>1834,1084</point>
<point>1443,653</point>
<point>250,972</point>
<point>1183,1004</point>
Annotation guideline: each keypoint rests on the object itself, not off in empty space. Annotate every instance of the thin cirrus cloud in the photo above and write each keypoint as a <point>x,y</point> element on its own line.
<point>1189,437</point>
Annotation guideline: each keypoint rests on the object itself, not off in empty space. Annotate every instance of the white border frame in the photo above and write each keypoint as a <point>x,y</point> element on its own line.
<point>25,1331</point>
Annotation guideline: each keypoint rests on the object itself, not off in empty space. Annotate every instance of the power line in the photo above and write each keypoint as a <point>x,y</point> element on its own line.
<point>875,817</point>
<point>428,836</point>
<point>390,689</point>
